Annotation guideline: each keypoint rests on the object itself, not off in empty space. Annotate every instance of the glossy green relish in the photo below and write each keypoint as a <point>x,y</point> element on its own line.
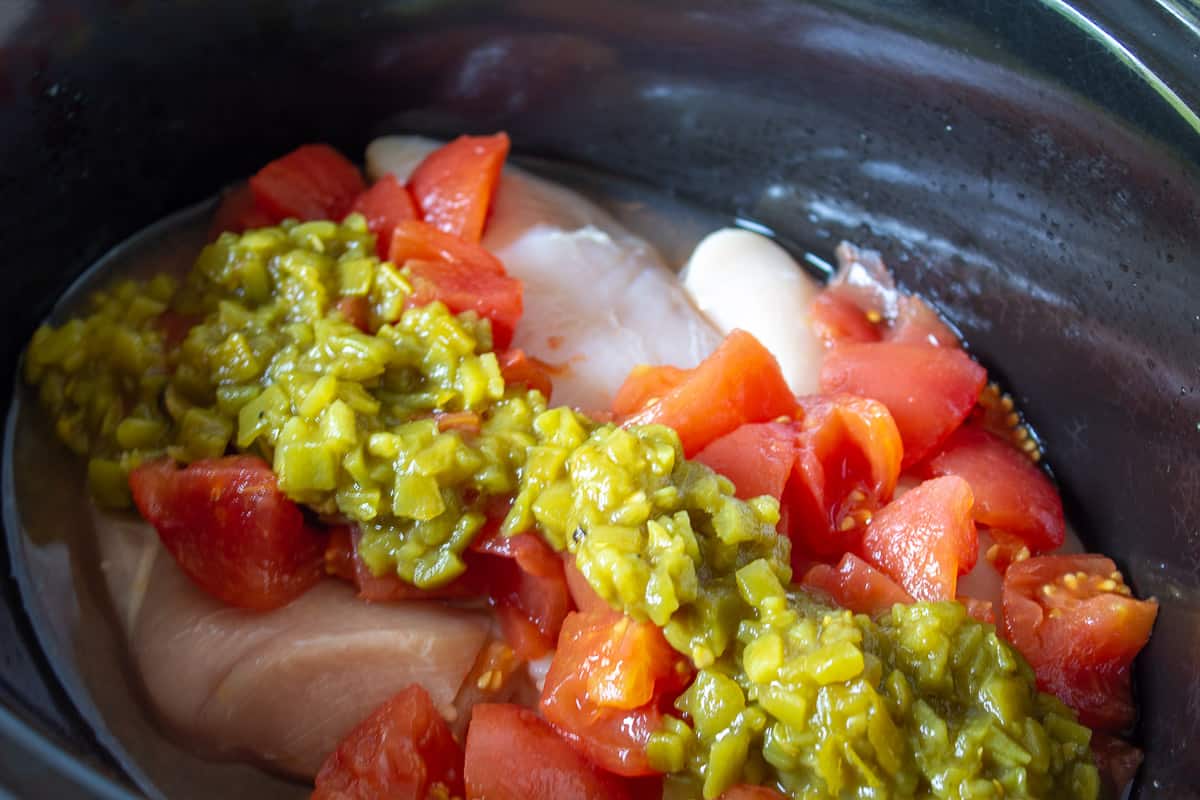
<point>411,432</point>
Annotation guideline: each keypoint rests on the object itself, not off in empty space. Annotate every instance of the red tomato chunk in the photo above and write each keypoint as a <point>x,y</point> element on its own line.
<point>385,205</point>
<point>929,390</point>
<point>1010,492</point>
<point>925,539</point>
<point>231,529</point>
<point>455,184</point>
<point>607,686</point>
<point>1079,626</point>
<point>462,287</point>
<point>856,585</point>
<point>847,468</point>
<point>525,581</point>
<point>403,751</point>
<point>739,382</point>
<point>311,182</point>
<point>512,754</point>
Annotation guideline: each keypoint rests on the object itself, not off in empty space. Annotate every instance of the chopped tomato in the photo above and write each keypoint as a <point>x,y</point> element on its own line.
<point>385,205</point>
<point>1118,762</point>
<point>1010,492</point>
<point>607,685</point>
<point>533,373</point>
<point>929,390</point>
<point>1077,623</point>
<point>357,311</point>
<point>925,538</point>
<point>836,318</point>
<point>1005,549</point>
<point>463,288</point>
<point>981,610</point>
<point>512,754</point>
<point>745,791</point>
<point>757,457</point>
<point>583,596</point>
<point>404,750</point>
<point>645,383</point>
<point>454,185</point>
<point>525,581</point>
<point>238,212</point>
<point>847,468</point>
<point>311,182</point>
<point>419,241</point>
<point>917,323</point>
<point>739,382</point>
<point>856,585</point>
<point>231,529</point>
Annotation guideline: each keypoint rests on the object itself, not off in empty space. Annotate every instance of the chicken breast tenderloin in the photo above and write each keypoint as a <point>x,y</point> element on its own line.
<point>280,688</point>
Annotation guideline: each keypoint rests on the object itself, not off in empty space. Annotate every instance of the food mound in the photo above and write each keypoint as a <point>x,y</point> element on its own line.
<point>721,588</point>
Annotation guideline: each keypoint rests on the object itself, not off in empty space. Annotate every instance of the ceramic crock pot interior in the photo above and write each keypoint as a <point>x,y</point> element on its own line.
<point>1029,167</point>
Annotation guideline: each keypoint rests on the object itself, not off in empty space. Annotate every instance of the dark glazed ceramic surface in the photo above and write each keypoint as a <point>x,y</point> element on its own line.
<point>1007,164</point>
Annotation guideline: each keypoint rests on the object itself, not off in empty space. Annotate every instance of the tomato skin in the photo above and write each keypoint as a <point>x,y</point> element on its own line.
<point>455,184</point>
<point>512,754</point>
<point>385,205</point>
<point>583,596</point>
<point>829,470</point>
<point>745,791</point>
<point>231,529</point>
<point>518,367</point>
<point>525,580</point>
<point>404,750</point>
<point>757,457</point>
<point>606,686</point>
<point>928,390</point>
<point>856,585</point>
<point>739,382</point>
<point>1080,629</point>
<point>413,240</point>
<point>917,323</point>
<point>847,468</point>
<point>925,538</point>
<point>836,318</point>
<point>645,383</point>
<point>311,182</point>
<point>1010,492</point>
<point>463,288</point>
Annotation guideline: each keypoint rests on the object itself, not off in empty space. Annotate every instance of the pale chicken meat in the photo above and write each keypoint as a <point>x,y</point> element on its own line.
<point>280,688</point>
<point>598,300</point>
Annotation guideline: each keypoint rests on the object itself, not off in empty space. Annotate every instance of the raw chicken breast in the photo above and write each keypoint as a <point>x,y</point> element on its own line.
<point>283,687</point>
<point>598,300</point>
<point>741,279</point>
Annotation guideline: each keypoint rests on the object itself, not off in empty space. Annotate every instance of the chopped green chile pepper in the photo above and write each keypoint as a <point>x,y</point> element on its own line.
<point>819,702</point>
